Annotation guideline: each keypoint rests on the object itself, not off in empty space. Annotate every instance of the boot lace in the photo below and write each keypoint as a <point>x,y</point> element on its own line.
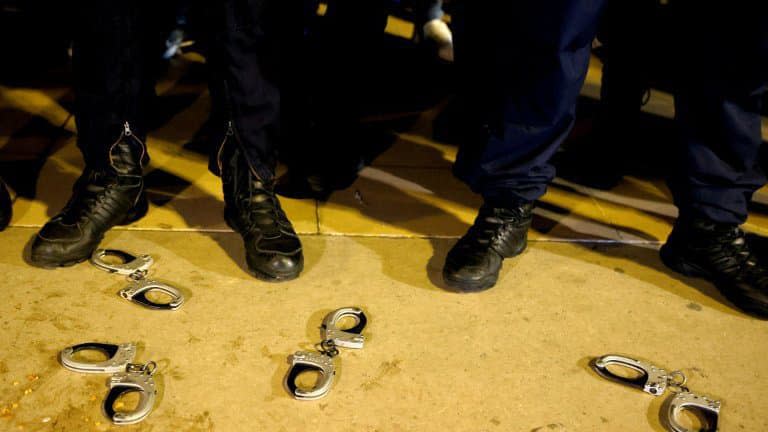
<point>261,209</point>
<point>494,224</point>
<point>87,198</point>
<point>732,255</point>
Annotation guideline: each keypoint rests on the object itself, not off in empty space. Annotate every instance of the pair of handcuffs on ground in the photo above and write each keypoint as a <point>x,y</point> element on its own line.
<point>323,360</point>
<point>127,377</point>
<point>136,269</point>
<point>656,381</point>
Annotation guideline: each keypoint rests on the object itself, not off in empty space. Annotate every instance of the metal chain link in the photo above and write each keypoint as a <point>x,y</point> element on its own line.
<point>676,381</point>
<point>138,275</point>
<point>328,348</point>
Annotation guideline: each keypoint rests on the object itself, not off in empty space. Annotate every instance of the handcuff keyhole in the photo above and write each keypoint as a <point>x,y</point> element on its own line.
<point>308,379</point>
<point>692,419</point>
<point>158,297</point>
<point>347,322</point>
<point>624,372</point>
<point>127,402</point>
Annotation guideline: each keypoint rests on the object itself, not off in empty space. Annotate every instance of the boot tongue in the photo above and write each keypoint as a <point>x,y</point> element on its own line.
<point>261,207</point>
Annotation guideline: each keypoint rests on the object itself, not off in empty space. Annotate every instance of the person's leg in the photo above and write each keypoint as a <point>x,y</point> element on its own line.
<point>718,96</point>
<point>429,21</point>
<point>245,62</point>
<point>520,81</point>
<point>627,51</point>
<point>342,54</point>
<point>427,10</point>
<point>112,81</point>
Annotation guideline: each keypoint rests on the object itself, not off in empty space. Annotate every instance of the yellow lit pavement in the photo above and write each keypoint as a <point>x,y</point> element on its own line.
<point>511,359</point>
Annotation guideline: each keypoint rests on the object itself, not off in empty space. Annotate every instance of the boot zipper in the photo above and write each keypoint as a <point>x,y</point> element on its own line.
<point>127,132</point>
<point>230,132</point>
<point>230,112</point>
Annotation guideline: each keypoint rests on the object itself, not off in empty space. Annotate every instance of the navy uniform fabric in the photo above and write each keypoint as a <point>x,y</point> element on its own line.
<point>340,57</point>
<point>722,73</point>
<point>245,63</point>
<point>112,81</point>
<point>523,63</point>
<point>115,44</point>
<point>427,10</point>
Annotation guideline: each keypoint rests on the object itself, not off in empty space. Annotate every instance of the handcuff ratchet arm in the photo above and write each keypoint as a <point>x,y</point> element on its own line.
<point>119,357</point>
<point>652,379</point>
<point>350,338</point>
<point>303,361</point>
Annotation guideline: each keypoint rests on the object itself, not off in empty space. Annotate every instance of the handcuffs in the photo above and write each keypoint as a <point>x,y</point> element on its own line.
<point>322,361</point>
<point>136,269</point>
<point>127,377</point>
<point>656,381</point>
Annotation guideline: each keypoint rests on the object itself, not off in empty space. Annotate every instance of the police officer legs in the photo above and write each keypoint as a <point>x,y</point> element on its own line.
<point>113,84</point>
<point>522,65</point>
<point>524,90</point>
<point>722,78</point>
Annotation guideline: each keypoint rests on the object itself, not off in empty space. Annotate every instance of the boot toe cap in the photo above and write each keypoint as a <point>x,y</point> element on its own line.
<point>472,272</point>
<point>276,267</point>
<point>59,245</point>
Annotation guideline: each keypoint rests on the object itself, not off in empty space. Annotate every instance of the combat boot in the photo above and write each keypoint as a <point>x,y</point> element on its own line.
<point>102,198</point>
<point>721,254</point>
<point>473,264</point>
<point>273,250</point>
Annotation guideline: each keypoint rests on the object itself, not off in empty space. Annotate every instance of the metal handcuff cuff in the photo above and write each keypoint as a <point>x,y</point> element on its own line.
<point>127,377</point>
<point>322,361</point>
<point>136,269</point>
<point>656,381</point>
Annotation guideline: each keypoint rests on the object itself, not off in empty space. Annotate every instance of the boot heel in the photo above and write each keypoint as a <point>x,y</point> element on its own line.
<point>138,211</point>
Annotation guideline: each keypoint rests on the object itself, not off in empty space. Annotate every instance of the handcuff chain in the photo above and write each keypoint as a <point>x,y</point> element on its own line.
<point>677,385</point>
<point>328,347</point>
<point>148,368</point>
<point>138,275</point>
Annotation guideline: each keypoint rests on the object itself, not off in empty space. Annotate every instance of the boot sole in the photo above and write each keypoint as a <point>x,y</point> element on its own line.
<point>675,263</point>
<point>52,262</point>
<point>474,286</point>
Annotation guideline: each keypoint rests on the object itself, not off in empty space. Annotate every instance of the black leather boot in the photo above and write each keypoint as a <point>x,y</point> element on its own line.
<point>6,208</point>
<point>273,250</point>
<point>473,264</point>
<point>101,199</point>
<point>720,254</point>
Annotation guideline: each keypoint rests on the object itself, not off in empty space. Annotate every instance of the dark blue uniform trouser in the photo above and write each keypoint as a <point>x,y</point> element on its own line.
<point>113,51</point>
<point>523,63</point>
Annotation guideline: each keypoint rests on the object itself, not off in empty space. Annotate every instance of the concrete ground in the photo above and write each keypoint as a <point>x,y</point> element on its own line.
<point>514,358</point>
